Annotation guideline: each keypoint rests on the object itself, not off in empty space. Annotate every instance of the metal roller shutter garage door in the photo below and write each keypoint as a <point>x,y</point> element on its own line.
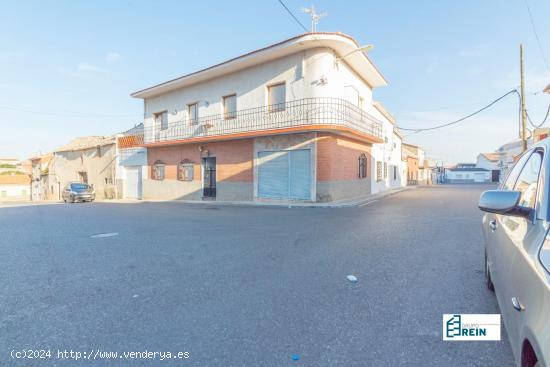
<point>284,174</point>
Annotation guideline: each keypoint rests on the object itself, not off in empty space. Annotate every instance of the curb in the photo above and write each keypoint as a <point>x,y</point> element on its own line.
<point>343,204</point>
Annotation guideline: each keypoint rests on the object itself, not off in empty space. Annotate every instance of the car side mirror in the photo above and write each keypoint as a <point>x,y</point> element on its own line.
<point>503,202</point>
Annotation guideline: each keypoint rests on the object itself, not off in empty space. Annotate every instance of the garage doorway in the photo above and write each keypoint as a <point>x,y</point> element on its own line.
<point>284,174</point>
<point>132,188</point>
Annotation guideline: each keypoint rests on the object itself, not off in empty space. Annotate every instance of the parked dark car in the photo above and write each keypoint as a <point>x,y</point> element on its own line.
<point>517,254</point>
<point>78,191</point>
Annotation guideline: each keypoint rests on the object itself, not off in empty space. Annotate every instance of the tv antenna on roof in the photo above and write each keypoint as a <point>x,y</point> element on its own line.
<point>314,16</point>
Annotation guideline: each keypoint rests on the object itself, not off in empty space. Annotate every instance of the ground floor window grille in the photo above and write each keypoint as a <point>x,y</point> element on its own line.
<point>378,171</point>
<point>362,166</point>
<point>185,170</point>
<point>158,170</point>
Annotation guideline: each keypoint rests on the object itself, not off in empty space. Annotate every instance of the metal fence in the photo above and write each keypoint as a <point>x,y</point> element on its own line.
<point>303,112</point>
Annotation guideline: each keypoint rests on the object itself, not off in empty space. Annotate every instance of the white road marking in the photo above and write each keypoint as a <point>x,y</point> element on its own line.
<point>367,203</point>
<point>102,235</point>
<point>352,278</point>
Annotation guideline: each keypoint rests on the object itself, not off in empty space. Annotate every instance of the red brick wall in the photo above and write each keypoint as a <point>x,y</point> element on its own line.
<point>338,157</point>
<point>234,159</point>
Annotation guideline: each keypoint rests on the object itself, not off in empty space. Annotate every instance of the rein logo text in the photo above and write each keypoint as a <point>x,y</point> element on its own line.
<point>471,327</point>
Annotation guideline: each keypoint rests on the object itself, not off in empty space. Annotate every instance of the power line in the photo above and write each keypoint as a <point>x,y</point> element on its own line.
<point>543,121</point>
<point>536,35</point>
<point>293,16</point>
<point>62,114</point>
<point>460,119</point>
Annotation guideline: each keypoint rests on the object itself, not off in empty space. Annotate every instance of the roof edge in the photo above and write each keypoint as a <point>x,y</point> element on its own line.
<point>140,93</point>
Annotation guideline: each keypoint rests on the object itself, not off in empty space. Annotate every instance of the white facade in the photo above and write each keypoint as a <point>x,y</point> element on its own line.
<point>312,73</point>
<point>467,176</point>
<point>10,192</point>
<point>131,169</point>
<point>483,162</point>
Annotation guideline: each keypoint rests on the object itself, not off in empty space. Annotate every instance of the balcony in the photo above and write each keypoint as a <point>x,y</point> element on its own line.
<point>311,114</point>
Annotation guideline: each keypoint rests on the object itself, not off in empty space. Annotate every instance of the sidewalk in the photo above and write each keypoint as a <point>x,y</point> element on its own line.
<point>345,203</point>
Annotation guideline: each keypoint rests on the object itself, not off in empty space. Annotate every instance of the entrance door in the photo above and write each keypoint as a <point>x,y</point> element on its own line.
<point>495,175</point>
<point>209,177</point>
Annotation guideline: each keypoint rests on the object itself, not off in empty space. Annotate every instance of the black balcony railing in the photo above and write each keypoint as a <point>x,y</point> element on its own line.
<point>309,111</point>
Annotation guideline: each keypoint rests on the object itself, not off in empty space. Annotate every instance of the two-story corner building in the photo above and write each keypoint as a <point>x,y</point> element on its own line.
<point>292,121</point>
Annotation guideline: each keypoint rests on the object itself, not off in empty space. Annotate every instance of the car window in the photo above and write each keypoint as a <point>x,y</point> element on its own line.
<point>79,186</point>
<point>528,180</point>
<point>514,173</point>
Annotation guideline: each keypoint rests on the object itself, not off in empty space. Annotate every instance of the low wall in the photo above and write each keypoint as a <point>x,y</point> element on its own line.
<point>345,189</point>
<point>192,190</point>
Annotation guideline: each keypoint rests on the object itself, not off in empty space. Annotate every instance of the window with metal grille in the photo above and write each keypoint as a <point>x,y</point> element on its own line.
<point>158,170</point>
<point>186,170</point>
<point>378,171</point>
<point>362,166</point>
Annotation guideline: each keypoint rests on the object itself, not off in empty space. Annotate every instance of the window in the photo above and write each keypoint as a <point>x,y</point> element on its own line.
<point>528,180</point>
<point>362,166</point>
<point>161,120</point>
<point>510,181</point>
<point>158,170</point>
<point>385,170</point>
<point>361,102</point>
<point>186,170</point>
<point>193,111</point>
<point>378,171</point>
<point>276,97</point>
<point>395,172</point>
<point>230,106</point>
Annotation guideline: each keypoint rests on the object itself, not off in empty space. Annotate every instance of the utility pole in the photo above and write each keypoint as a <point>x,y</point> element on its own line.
<point>522,91</point>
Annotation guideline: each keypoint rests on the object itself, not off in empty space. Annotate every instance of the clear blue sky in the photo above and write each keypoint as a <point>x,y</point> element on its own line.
<point>68,67</point>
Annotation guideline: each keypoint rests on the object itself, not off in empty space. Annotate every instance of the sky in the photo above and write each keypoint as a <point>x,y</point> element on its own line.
<point>67,68</point>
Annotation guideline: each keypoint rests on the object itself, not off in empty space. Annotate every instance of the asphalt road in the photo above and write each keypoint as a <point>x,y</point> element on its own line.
<point>247,286</point>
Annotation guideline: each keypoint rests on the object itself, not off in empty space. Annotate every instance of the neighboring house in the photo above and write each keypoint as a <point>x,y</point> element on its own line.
<point>131,163</point>
<point>387,167</point>
<point>43,182</point>
<point>89,159</point>
<point>10,165</point>
<point>14,187</point>
<point>467,175</point>
<point>491,162</point>
<point>417,173</point>
<point>509,153</point>
<point>291,121</point>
